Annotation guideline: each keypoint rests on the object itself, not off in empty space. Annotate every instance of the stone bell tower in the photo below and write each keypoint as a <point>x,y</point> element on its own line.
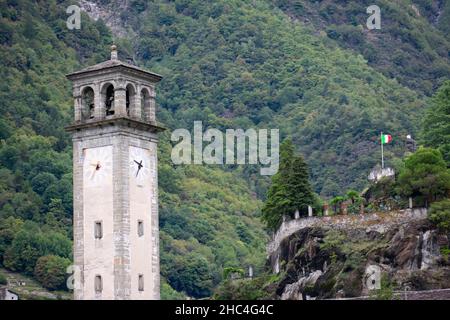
<point>115,187</point>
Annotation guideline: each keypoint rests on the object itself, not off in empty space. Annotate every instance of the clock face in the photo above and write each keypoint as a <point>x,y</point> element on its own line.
<point>97,164</point>
<point>139,165</point>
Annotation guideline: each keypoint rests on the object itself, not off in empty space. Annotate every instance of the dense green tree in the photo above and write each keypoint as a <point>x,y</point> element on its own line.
<point>278,203</point>
<point>24,251</point>
<point>290,189</point>
<point>9,227</point>
<point>425,174</point>
<point>30,243</point>
<point>56,218</point>
<point>299,187</point>
<point>42,181</point>
<point>193,276</point>
<point>168,293</point>
<point>436,126</point>
<point>353,196</point>
<point>336,203</point>
<point>440,214</point>
<point>50,271</point>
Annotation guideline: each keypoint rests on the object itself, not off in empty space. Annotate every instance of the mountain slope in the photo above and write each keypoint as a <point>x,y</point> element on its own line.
<point>411,46</point>
<point>230,64</point>
<point>208,218</point>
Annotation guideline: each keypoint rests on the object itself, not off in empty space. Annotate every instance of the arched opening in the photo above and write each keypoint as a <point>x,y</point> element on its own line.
<point>130,98</point>
<point>87,103</point>
<point>146,105</point>
<point>108,98</point>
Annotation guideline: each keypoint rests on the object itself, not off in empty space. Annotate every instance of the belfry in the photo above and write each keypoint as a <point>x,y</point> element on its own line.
<point>115,180</point>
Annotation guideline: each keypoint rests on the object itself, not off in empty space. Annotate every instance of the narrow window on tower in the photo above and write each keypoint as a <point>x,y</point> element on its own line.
<point>140,228</point>
<point>98,284</point>
<point>141,282</point>
<point>98,230</point>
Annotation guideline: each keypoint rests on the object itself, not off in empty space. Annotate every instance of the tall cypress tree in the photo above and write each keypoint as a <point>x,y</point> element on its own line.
<point>300,192</point>
<point>277,203</point>
<point>290,189</point>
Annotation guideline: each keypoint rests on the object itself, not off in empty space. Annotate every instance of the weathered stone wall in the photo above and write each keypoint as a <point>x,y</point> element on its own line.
<point>438,294</point>
<point>341,256</point>
<point>373,221</point>
<point>106,128</point>
<point>112,255</point>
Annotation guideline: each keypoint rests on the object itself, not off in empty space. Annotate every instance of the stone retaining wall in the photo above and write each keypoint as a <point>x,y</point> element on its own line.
<point>437,294</point>
<point>373,221</point>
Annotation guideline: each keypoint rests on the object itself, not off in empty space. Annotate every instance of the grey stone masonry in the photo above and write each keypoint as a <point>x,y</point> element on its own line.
<point>120,116</point>
<point>374,221</point>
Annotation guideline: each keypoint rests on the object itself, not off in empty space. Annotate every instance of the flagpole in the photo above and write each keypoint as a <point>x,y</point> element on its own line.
<point>382,155</point>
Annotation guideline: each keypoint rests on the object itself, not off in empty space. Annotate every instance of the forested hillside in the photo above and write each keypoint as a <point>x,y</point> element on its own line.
<point>208,217</point>
<point>230,64</point>
<point>411,46</point>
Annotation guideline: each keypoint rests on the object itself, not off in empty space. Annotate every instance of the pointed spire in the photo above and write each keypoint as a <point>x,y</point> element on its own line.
<point>114,52</point>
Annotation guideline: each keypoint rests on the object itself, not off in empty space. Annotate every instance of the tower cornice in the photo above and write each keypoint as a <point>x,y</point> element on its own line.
<point>117,121</point>
<point>112,66</point>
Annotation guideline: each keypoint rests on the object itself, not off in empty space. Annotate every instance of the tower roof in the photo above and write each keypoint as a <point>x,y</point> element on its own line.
<point>114,63</point>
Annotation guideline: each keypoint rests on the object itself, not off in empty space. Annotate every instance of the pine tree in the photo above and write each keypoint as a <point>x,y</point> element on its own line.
<point>300,192</point>
<point>290,189</point>
<point>277,203</point>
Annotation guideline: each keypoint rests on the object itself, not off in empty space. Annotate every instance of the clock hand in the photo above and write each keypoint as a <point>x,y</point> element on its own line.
<point>97,167</point>
<point>137,172</point>
<point>93,173</point>
<point>140,166</point>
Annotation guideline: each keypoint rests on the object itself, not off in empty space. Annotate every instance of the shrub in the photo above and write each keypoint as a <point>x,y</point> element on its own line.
<point>386,291</point>
<point>50,271</point>
<point>30,244</point>
<point>425,174</point>
<point>168,293</point>
<point>440,214</point>
<point>232,271</point>
<point>245,289</point>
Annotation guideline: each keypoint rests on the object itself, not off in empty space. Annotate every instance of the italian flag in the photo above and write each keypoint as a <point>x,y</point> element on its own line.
<point>386,138</point>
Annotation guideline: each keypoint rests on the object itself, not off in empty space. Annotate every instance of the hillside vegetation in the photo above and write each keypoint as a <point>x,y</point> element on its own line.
<point>208,217</point>
<point>411,46</point>
<point>230,64</point>
<point>234,64</point>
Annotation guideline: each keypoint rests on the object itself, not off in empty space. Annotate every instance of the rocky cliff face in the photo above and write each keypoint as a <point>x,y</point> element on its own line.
<point>109,13</point>
<point>345,256</point>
